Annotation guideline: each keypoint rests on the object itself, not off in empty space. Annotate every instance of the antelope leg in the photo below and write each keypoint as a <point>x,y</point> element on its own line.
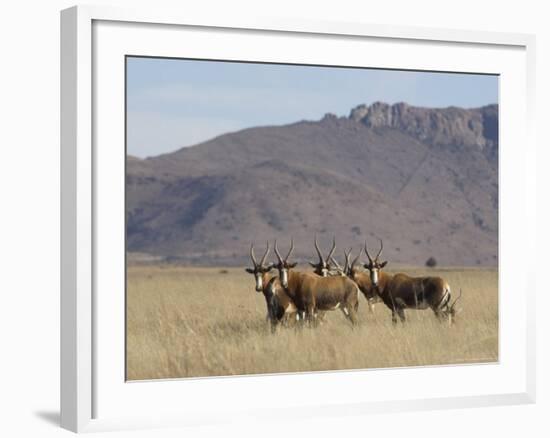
<point>401,314</point>
<point>371,305</point>
<point>310,316</point>
<point>351,314</point>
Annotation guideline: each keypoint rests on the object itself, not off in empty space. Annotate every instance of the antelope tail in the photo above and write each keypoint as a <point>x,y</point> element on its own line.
<point>446,296</point>
<point>444,302</point>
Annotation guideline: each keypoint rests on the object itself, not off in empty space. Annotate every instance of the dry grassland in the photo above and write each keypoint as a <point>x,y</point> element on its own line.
<point>192,322</point>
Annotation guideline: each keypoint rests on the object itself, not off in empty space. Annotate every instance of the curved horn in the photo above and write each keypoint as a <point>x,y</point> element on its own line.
<point>252,256</point>
<point>291,248</point>
<point>336,264</point>
<point>457,298</point>
<point>356,259</point>
<point>277,252</point>
<point>265,255</point>
<point>381,248</point>
<point>318,250</point>
<point>367,251</point>
<point>347,256</point>
<point>331,250</point>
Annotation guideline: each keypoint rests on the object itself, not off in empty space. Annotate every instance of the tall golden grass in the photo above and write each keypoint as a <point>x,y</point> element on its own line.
<point>192,322</point>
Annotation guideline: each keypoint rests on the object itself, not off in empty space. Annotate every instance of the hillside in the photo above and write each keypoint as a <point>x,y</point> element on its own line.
<point>424,179</point>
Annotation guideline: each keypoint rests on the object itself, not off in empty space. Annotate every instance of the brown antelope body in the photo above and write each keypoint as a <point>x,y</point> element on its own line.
<point>401,291</point>
<point>312,293</point>
<point>280,308</point>
<point>359,277</point>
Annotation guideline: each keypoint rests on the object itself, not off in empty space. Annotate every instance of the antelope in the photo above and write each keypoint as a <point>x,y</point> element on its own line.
<point>312,293</point>
<point>323,269</point>
<point>400,291</point>
<point>361,278</point>
<point>280,308</point>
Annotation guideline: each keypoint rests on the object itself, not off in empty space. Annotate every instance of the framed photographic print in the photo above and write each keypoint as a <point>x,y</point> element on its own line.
<point>257,208</point>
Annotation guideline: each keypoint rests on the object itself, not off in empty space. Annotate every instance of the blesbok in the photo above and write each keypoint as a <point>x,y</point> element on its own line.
<point>280,308</point>
<point>312,293</point>
<point>323,267</point>
<point>361,278</point>
<point>400,291</point>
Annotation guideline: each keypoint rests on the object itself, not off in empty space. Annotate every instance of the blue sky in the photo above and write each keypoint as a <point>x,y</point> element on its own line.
<point>172,103</point>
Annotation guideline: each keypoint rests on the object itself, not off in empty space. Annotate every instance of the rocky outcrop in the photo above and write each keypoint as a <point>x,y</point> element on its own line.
<point>452,126</point>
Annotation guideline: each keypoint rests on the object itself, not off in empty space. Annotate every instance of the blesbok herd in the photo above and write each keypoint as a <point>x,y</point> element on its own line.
<point>293,296</point>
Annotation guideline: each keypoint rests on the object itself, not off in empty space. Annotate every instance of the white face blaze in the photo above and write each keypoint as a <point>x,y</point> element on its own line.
<point>284,277</point>
<point>374,276</point>
<point>259,285</point>
<point>324,272</point>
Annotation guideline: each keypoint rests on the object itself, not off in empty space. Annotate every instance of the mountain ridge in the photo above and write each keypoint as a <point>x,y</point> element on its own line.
<point>424,179</point>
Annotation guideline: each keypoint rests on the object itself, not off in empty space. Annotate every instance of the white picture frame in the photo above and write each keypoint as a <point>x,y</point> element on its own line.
<point>93,39</point>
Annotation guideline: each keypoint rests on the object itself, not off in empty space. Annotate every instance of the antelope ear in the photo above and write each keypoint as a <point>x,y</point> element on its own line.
<point>313,265</point>
<point>269,268</point>
<point>249,270</point>
<point>292,265</point>
<point>383,264</point>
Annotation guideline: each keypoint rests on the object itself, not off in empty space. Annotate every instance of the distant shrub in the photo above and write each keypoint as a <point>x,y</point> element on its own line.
<point>224,271</point>
<point>431,262</point>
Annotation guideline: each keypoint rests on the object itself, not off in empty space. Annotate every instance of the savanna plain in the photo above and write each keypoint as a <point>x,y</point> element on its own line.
<point>197,322</point>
